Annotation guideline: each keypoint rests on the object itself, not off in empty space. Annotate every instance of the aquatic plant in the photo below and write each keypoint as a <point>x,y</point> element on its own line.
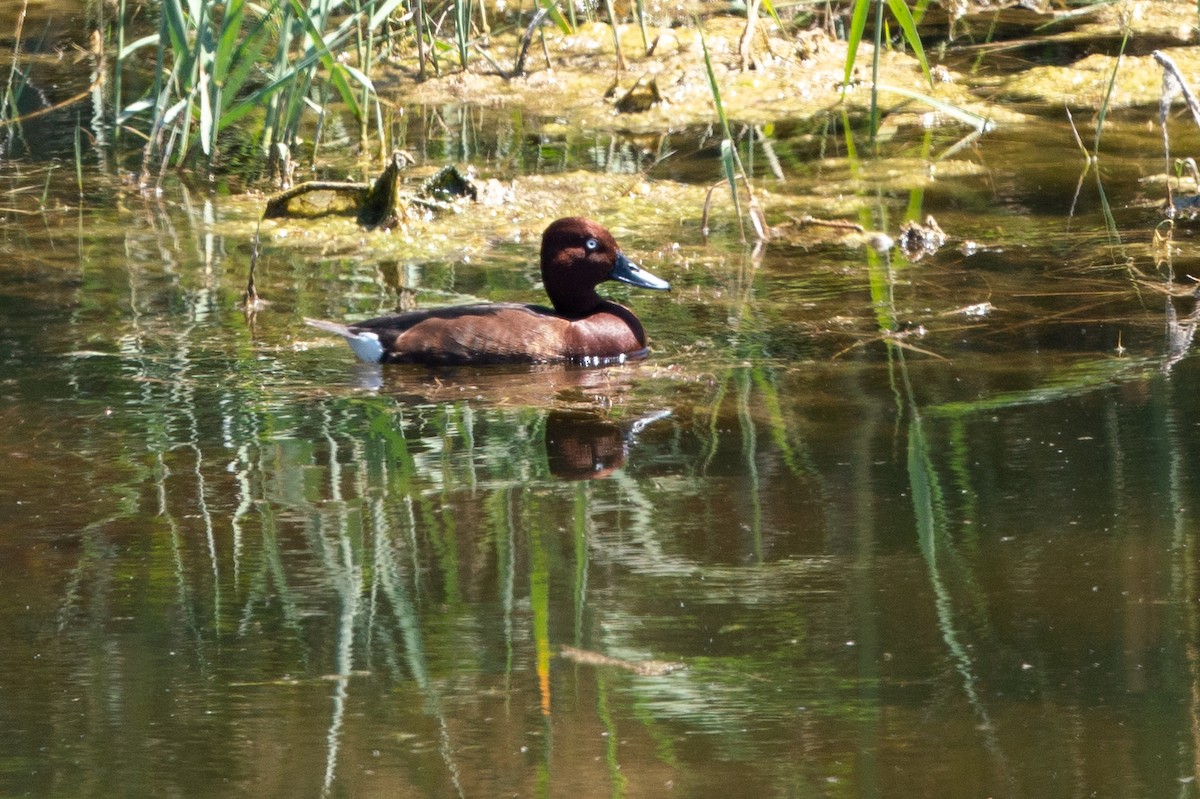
<point>214,65</point>
<point>907,21</point>
<point>730,161</point>
<point>17,77</point>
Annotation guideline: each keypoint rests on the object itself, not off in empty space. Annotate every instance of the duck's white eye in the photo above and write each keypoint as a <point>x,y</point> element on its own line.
<point>592,245</point>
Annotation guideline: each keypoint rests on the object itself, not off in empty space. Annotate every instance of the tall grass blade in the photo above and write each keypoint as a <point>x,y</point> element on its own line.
<point>727,162</point>
<point>462,30</point>
<point>227,39</point>
<point>8,109</point>
<point>78,157</point>
<point>875,68</point>
<point>206,49</point>
<point>118,66</point>
<point>770,7</point>
<point>979,123</point>
<point>46,187</point>
<point>127,50</point>
<point>244,61</point>
<point>713,87</point>
<point>858,23</point>
<point>728,154</point>
<point>640,7</point>
<point>908,27</point>
<point>321,47</point>
<point>1110,221</point>
<point>556,15</point>
<point>174,21</point>
<point>616,34</point>
<point>382,12</point>
<point>1112,80</point>
<point>422,24</point>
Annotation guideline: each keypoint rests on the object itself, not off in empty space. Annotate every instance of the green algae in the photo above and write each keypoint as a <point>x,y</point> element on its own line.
<point>1084,83</point>
<point>790,78</point>
<point>661,210</point>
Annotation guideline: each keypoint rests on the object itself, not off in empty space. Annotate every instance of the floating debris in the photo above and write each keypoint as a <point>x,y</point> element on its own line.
<point>642,96</point>
<point>646,668</point>
<point>976,310</point>
<point>917,241</point>
<point>379,204</point>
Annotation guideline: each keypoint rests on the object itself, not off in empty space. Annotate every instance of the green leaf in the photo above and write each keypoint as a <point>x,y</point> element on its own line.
<point>382,13</point>
<point>552,7</point>
<point>858,23</point>
<point>174,19</point>
<point>231,28</point>
<point>245,58</point>
<point>208,125</point>
<point>337,74</point>
<point>173,111</point>
<point>360,77</point>
<point>713,87</point>
<point>134,108</point>
<point>980,124</point>
<point>909,28</point>
<point>770,7</point>
<point>133,47</point>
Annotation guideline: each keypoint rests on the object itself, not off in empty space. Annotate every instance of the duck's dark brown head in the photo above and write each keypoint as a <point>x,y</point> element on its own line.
<point>577,256</point>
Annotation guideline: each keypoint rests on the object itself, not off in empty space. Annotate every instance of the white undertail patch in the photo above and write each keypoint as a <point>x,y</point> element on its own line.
<point>366,345</point>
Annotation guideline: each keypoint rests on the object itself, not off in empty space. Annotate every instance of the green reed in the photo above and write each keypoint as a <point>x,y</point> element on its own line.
<point>17,77</point>
<point>1104,104</point>
<point>640,10</point>
<point>462,30</point>
<point>731,162</point>
<point>79,155</point>
<point>908,28</point>
<point>729,159</point>
<point>215,65</point>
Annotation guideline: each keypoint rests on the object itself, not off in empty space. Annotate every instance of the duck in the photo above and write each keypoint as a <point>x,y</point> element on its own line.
<point>577,255</point>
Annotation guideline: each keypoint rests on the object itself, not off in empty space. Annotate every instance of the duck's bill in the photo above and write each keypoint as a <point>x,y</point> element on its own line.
<point>627,271</point>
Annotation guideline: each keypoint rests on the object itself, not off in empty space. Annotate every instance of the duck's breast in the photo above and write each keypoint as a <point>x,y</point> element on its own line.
<point>610,333</point>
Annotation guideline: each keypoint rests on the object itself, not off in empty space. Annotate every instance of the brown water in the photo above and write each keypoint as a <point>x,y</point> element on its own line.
<point>961,564</point>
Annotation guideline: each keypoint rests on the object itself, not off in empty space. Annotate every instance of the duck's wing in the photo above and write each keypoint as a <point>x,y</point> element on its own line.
<point>463,334</point>
<point>494,333</point>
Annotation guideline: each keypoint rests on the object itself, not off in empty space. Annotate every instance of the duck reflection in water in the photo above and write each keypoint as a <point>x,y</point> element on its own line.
<point>581,444</point>
<point>586,446</point>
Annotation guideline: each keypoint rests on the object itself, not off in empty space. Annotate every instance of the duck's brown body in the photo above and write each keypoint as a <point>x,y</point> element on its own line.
<point>499,333</point>
<point>577,254</point>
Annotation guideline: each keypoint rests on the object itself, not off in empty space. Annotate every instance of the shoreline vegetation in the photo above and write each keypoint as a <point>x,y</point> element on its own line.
<point>263,98</point>
<point>260,89</point>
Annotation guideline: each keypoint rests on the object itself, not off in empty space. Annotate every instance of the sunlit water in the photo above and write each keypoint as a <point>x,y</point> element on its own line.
<point>960,564</point>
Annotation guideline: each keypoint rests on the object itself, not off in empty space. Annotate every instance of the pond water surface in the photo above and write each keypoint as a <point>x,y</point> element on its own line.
<point>911,528</point>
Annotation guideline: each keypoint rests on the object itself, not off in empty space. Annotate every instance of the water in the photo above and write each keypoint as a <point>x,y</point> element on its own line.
<point>955,558</point>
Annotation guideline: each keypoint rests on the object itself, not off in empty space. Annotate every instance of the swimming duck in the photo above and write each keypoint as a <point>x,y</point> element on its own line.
<point>577,255</point>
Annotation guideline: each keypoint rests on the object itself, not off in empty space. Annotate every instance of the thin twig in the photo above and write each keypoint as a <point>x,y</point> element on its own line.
<point>83,95</point>
<point>519,66</point>
<point>15,59</point>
